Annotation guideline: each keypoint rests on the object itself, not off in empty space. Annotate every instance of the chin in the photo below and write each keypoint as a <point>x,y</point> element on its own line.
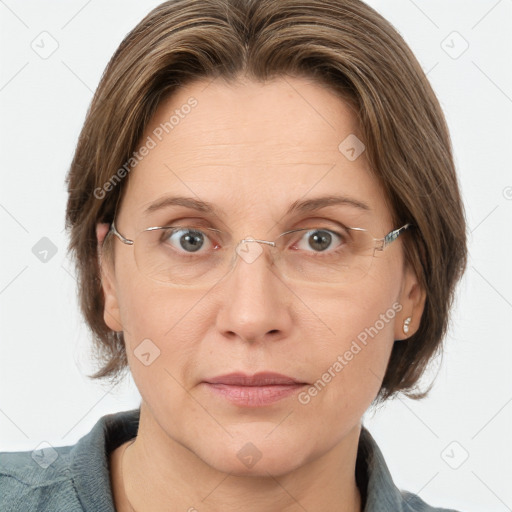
<point>257,459</point>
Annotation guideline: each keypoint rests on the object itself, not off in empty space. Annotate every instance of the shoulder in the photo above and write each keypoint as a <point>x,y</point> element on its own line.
<point>381,493</point>
<point>37,480</point>
<point>413,503</point>
<point>71,478</point>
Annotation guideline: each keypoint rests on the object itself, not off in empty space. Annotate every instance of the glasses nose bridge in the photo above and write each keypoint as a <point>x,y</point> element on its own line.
<point>249,255</point>
<point>251,239</point>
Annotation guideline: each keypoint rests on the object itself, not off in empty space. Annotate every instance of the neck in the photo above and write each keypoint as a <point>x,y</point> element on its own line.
<point>162,474</point>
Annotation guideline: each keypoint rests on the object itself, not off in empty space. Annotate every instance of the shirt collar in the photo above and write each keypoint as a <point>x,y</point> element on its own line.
<point>372,472</point>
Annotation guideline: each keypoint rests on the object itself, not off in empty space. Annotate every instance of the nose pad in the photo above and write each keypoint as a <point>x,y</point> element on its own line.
<point>249,250</point>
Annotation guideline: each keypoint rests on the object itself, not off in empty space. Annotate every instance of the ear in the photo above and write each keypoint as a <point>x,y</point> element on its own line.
<point>412,298</point>
<point>111,313</point>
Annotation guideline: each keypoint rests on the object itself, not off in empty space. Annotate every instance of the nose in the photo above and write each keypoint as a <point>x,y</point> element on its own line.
<point>255,300</point>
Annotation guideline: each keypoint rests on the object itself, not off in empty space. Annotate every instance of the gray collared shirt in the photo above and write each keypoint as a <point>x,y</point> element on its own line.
<point>76,478</point>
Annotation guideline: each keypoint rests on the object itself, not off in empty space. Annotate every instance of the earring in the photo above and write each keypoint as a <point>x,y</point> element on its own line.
<point>407,323</point>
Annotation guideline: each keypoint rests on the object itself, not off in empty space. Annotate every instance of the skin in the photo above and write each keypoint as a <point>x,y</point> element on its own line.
<point>252,149</point>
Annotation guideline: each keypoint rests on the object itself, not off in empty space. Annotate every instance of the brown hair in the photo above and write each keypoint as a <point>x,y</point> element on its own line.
<point>343,44</point>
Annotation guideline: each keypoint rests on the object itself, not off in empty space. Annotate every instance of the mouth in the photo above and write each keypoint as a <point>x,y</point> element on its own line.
<point>256,390</point>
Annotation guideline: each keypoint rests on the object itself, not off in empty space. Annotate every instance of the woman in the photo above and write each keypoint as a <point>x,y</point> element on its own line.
<point>268,231</point>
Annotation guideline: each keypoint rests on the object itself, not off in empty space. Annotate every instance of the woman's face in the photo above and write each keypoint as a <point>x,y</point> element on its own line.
<point>251,151</point>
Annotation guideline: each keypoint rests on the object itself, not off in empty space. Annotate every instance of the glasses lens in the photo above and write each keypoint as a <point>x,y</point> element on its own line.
<point>198,257</point>
<point>326,256</point>
<point>183,256</point>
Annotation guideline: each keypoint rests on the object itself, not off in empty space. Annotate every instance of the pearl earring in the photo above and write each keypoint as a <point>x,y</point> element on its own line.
<point>407,323</point>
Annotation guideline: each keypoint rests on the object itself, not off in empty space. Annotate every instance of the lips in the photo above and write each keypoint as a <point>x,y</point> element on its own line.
<point>258,379</point>
<point>258,390</point>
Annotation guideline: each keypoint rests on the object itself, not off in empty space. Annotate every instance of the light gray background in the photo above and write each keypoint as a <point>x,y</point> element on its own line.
<point>44,393</point>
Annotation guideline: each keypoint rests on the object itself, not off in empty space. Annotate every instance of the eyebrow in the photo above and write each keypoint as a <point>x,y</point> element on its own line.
<point>314,204</point>
<point>300,206</point>
<point>187,202</point>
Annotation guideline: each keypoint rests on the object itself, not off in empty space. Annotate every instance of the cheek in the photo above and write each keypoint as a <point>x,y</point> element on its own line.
<point>161,328</point>
<point>152,310</point>
<point>350,361</point>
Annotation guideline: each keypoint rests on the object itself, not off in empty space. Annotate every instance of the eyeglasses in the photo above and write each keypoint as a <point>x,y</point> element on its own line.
<point>198,256</point>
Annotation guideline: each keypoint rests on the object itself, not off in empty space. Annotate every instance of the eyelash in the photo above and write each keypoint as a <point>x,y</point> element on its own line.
<point>185,229</point>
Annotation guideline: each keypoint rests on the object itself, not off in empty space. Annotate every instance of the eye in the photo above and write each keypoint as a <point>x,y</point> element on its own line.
<point>319,240</point>
<point>186,239</point>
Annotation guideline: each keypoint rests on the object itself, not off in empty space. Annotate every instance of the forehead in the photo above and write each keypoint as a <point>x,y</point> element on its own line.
<point>247,144</point>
